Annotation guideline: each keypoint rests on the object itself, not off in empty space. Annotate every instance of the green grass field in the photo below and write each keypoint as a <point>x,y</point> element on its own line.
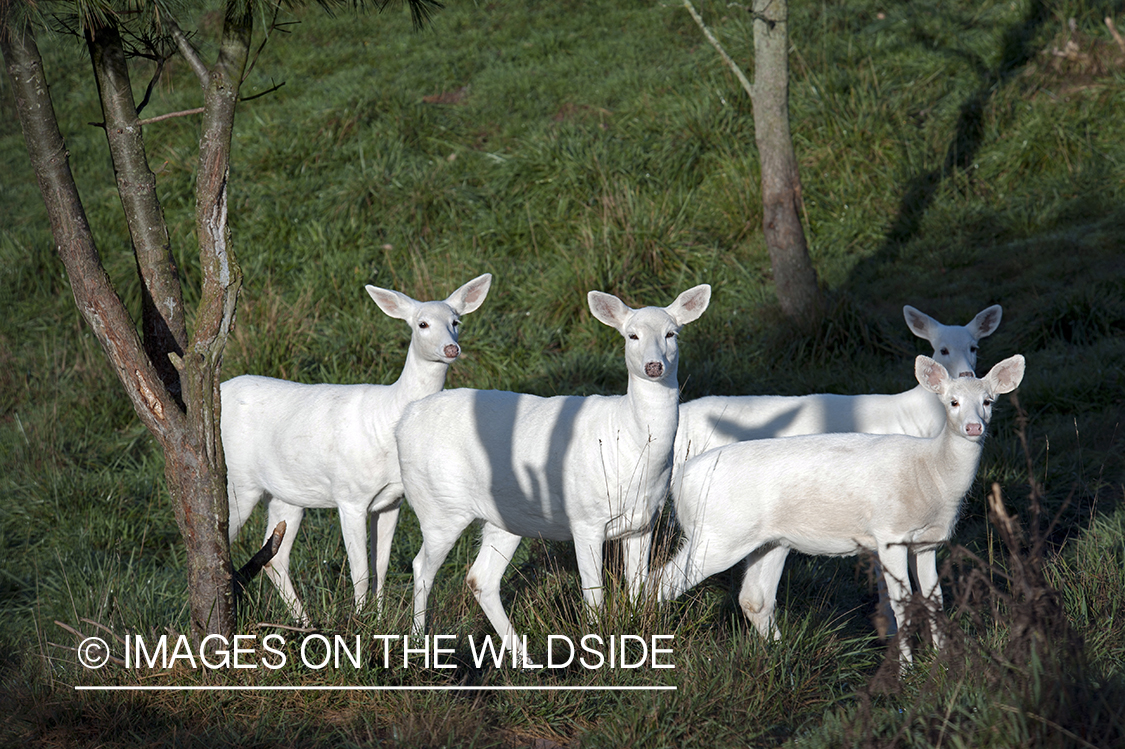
<point>953,155</point>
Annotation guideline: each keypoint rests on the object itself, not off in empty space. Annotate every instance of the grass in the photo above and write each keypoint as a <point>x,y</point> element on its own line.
<point>950,160</point>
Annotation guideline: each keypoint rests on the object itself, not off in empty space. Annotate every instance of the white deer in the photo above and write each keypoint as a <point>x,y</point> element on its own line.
<point>833,495</point>
<point>569,467</point>
<point>299,446</point>
<point>714,421</point>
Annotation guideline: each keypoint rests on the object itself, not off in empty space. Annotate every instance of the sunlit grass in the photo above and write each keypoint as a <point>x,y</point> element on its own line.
<point>950,160</point>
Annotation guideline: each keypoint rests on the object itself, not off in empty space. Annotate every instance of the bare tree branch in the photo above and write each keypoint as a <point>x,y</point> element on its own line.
<point>265,38</point>
<point>170,115</point>
<point>152,84</point>
<point>269,90</point>
<point>746,85</point>
<point>184,45</point>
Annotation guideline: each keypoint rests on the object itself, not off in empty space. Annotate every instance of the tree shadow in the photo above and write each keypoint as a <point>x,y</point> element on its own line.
<point>1016,51</point>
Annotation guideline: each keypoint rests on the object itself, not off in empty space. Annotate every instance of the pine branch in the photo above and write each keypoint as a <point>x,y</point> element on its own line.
<point>184,45</point>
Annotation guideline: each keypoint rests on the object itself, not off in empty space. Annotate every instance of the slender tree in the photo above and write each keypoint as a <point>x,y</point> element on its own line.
<point>795,280</point>
<point>170,374</point>
<point>798,291</point>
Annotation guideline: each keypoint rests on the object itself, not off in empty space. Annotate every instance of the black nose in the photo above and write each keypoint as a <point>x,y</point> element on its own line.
<point>654,369</point>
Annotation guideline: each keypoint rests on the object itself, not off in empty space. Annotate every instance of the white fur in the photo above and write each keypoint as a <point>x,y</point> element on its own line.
<point>714,421</point>
<point>834,494</point>
<point>583,468</point>
<point>711,422</point>
<point>301,446</point>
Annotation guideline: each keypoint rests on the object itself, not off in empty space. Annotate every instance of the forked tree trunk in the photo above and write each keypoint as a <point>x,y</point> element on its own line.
<point>200,495</point>
<point>162,305</point>
<point>179,404</point>
<point>798,291</point>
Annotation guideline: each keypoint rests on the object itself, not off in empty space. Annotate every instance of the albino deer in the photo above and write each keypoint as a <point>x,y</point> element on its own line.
<point>714,421</point>
<point>584,468</point>
<point>301,446</point>
<point>834,494</point>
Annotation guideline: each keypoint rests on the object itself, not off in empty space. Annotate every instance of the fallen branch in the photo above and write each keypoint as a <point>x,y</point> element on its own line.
<point>83,638</point>
<point>287,627</point>
<point>104,628</point>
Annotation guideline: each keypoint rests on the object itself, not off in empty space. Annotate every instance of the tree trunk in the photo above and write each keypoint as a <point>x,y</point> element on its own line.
<point>798,291</point>
<point>201,507</point>
<point>187,427</point>
<point>162,305</point>
<point>93,291</point>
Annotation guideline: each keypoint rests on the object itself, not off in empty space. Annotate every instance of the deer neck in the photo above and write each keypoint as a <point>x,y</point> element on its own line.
<point>954,461</point>
<point>652,410</point>
<point>420,377</point>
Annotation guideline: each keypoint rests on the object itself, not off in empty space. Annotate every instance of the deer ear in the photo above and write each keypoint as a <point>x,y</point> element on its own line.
<point>393,303</point>
<point>1007,375</point>
<point>930,374</point>
<point>690,304</point>
<point>608,309</point>
<point>469,297</point>
<point>921,324</point>
<point>986,322</point>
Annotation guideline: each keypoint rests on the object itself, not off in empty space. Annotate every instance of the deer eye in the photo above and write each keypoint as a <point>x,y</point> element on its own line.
<point>423,324</point>
<point>456,323</point>
<point>669,335</point>
<point>987,402</point>
<point>633,337</point>
<point>954,403</point>
<point>945,352</point>
<point>972,349</point>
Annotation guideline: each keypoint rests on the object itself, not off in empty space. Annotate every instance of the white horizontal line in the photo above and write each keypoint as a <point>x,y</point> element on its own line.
<point>283,688</point>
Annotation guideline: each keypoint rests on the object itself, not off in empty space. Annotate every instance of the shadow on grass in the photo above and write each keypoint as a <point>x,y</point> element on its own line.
<point>1016,51</point>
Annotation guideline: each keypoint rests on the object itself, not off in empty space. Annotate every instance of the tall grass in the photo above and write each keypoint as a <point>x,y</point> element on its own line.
<point>950,159</point>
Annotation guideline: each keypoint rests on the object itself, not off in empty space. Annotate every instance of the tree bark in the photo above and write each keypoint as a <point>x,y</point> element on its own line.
<point>187,427</point>
<point>94,295</point>
<point>202,508</point>
<point>798,291</point>
<point>162,306</point>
